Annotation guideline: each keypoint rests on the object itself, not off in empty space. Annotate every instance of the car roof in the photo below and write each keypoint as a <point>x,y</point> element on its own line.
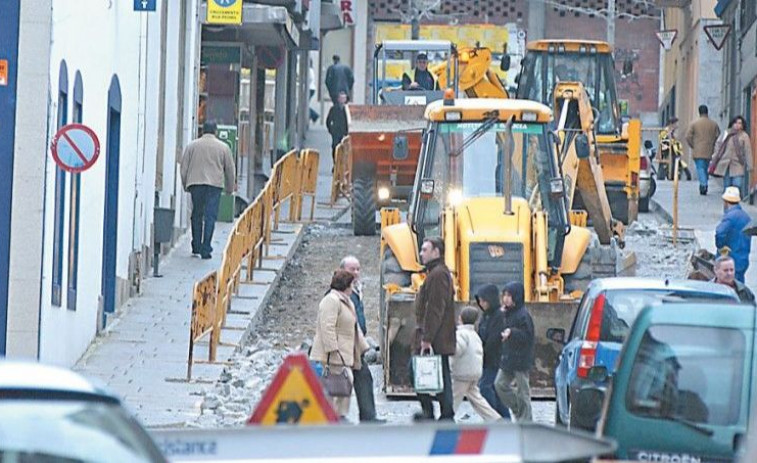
<point>638,283</point>
<point>39,379</point>
<point>710,314</point>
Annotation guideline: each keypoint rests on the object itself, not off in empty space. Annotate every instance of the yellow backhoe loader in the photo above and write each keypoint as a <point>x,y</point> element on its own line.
<point>490,182</point>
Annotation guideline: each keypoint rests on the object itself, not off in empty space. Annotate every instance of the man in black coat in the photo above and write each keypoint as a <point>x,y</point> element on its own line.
<point>337,122</point>
<point>339,78</point>
<point>517,358</point>
<point>362,378</point>
<point>435,324</point>
<point>490,328</point>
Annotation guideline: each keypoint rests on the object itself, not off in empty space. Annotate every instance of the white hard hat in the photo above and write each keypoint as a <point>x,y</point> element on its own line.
<point>732,195</point>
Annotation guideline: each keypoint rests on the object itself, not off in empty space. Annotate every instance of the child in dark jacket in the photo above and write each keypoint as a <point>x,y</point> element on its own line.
<point>517,357</point>
<point>490,328</point>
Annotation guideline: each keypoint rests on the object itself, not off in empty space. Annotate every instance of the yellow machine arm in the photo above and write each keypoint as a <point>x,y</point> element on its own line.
<point>576,127</point>
<point>476,79</point>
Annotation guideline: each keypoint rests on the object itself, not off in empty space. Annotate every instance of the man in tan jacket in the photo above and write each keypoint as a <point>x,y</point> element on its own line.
<point>701,138</point>
<point>206,167</point>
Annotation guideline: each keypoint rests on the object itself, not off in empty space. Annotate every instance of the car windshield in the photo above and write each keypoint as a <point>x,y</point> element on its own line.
<point>68,431</point>
<point>622,307</point>
<point>688,373</point>
<point>542,71</point>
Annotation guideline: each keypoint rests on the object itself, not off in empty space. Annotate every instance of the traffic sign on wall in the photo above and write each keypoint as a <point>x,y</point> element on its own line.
<point>75,148</point>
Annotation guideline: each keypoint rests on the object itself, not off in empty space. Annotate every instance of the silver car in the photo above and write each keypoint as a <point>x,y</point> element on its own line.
<point>51,414</point>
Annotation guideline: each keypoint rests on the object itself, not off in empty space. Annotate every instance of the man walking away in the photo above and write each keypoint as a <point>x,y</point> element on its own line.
<point>467,365</point>
<point>730,231</point>
<point>206,167</point>
<point>339,78</point>
<point>362,379</point>
<point>517,353</point>
<point>490,330</point>
<point>435,324</point>
<point>701,137</point>
<point>725,273</point>
<point>337,122</point>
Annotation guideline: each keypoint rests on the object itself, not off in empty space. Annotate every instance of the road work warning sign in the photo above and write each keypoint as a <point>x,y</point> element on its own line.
<point>295,396</point>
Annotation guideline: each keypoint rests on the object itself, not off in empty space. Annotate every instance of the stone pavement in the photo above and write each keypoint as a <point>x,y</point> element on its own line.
<point>141,356</point>
<point>701,214</point>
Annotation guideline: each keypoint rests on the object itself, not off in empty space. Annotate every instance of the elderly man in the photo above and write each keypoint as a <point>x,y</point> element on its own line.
<point>362,379</point>
<point>730,231</point>
<point>725,272</point>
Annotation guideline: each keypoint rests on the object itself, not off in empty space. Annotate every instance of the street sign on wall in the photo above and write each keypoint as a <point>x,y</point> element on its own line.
<point>145,5</point>
<point>717,34</point>
<point>224,12</point>
<point>667,38</point>
<point>75,148</point>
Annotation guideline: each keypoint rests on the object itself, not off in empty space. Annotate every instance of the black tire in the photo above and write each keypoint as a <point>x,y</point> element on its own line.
<point>363,207</point>
<point>644,204</point>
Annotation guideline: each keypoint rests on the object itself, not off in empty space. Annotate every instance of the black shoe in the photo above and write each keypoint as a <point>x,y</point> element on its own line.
<point>206,256</point>
<point>702,190</point>
<point>705,192</point>
<point>421,417</point>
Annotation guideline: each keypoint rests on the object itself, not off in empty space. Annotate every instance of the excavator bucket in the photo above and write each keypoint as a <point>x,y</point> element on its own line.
<point>399,330</point>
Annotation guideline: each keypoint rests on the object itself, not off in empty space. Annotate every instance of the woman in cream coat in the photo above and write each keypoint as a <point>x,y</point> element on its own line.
<point>338,341</point>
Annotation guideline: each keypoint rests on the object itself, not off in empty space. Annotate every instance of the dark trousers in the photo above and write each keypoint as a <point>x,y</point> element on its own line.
<point>205,199</point>
<point>363,383</point>
<point>486,386</point>
<point>445,398</point>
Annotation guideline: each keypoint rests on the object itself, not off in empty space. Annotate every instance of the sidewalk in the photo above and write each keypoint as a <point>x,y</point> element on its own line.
<point>702,214</point>
<point>142,354</point>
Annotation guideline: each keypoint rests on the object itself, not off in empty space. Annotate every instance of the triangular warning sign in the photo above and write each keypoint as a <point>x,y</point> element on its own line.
<point>667,38</point>
<point>295,396</point>
<point>717,34</point>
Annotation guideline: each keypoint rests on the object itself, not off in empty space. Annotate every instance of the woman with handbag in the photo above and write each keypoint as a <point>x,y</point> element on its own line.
<point>733,156</point>
<point>338,343</point>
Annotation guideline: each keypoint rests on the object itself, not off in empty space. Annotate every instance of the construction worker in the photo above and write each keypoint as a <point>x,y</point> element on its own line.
<point>422,78</point>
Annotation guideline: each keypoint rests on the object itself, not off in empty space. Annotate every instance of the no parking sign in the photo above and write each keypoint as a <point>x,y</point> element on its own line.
<point>75,148</point>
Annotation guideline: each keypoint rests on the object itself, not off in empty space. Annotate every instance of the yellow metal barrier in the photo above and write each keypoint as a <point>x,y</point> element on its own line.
<point>309,162</point>
<point>285,184</point>
<point>340,183</point>
<point>203,314</point>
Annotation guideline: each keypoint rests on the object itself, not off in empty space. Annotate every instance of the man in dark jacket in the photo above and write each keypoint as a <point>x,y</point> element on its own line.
<point>730,231</point>
<point>362,378</point>
<point>517,353</point>
<point>339,78</point>
<point>337,122</point>
<point>435,324</point>
<point>725,272</point>
<point>422,79</point>
<point>490,331</point>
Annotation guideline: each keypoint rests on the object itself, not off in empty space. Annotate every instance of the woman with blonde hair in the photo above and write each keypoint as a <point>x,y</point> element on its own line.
<point>338,343</point>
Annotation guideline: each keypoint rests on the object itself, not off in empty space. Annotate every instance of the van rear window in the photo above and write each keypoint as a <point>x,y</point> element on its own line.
<point>689,373</point>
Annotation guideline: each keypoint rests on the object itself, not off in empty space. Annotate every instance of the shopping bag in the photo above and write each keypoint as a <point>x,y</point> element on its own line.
<point>427,374</point>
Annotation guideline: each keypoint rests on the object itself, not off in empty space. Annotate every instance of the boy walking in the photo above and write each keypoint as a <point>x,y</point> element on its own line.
<point>517,353</point>
<point>467,365</point>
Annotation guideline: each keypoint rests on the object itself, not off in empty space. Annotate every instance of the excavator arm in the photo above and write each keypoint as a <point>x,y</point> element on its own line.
<point>580,159</point>
<point>476,78</point>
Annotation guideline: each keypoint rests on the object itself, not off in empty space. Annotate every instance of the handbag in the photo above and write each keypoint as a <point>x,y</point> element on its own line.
<point>716,159</point>
<point>427,373</point>
<point>336,384</point>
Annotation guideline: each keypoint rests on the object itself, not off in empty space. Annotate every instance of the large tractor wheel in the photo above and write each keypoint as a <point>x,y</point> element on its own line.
<point>391,272</point>
<point>363,207</point>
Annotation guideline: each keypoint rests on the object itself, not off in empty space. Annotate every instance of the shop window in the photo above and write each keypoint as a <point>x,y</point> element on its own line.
<point>60,189</point>
<point>73,205</point>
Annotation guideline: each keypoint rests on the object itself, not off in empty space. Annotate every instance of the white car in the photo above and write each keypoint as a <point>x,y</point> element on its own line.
<point>52,414</point>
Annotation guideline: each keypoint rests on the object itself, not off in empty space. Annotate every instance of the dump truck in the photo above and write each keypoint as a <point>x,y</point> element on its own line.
<point>386,135</point>
<point>490,182</point>
<point>548,62</point>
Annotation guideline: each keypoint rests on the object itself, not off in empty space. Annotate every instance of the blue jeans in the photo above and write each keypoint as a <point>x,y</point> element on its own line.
<point>486,386</point>
<point>702,165</point>
<point>205,200</point>
<point>737,181</point>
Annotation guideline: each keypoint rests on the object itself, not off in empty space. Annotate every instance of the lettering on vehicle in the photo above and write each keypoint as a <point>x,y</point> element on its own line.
<point>665,457</point>
<point>189,447</point>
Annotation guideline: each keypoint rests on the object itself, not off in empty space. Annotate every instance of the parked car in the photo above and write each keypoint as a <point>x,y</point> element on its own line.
<point>603,320</point>
<point>647,181</point>
<point>683,389</point>
<point>52,414</point>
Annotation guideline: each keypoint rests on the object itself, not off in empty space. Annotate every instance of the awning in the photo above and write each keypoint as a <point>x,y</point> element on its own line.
<point>331,17</point>
<point>261,25</point>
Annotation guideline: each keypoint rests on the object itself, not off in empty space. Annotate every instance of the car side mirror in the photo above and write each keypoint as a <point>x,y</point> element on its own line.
<point>598,374</point>
<point>399,148</point>
<point>582,146</point>
<point>556,335</point>
<point>504,63</point>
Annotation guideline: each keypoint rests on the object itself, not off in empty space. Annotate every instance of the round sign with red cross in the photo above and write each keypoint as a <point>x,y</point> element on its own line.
<point>75,148</point>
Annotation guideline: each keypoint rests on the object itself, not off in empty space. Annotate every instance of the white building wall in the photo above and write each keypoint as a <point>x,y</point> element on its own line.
<point>103,39</point>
